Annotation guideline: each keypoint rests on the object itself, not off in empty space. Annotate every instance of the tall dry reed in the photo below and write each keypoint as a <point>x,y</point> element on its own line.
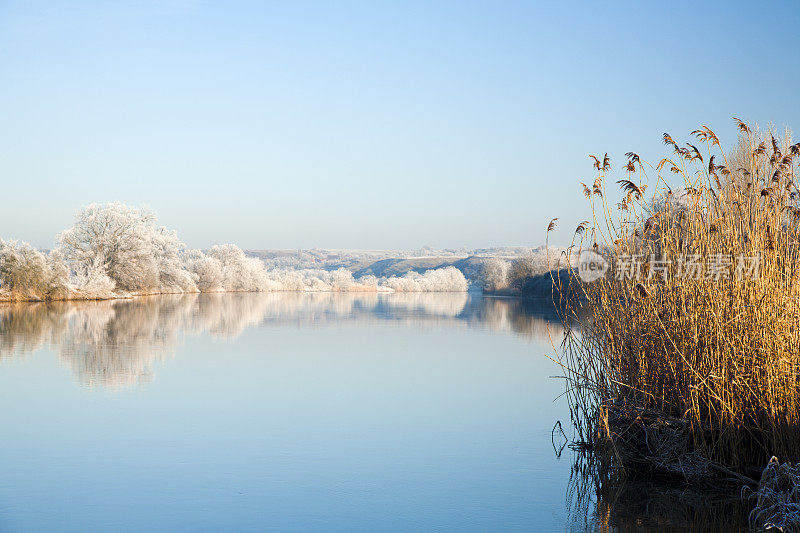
<point>708,329</point>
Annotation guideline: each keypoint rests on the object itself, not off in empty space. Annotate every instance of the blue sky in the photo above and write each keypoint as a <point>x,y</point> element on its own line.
<point>364,125</point>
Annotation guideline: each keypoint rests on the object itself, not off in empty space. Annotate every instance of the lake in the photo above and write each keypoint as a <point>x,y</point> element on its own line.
<point>284,412</point>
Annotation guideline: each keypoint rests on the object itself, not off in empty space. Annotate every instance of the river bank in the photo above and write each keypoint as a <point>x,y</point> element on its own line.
<point>8,297</point>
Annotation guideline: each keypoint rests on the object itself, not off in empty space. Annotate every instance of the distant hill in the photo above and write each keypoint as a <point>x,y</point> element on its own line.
<point>388,263</point>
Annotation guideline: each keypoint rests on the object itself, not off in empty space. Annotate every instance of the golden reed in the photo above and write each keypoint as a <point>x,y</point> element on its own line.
<point>698,316</point>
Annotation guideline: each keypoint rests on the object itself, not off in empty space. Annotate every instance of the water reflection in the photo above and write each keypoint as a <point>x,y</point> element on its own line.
<point>116,343</point>
<point>475,410</point>
<point>599,504</point>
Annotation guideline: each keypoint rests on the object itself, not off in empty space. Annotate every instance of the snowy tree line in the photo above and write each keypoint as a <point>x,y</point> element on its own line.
<point>115,250</point>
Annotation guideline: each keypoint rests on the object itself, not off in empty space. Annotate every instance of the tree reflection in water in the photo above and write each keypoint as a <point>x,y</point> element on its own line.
<point>115,343</point>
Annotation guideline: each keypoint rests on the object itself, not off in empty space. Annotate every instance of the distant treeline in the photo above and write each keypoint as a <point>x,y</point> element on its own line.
<point>115,250</point>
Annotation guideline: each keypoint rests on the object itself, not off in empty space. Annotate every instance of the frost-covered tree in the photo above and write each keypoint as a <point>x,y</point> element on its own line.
<point>524,268</point>
<point>126,243</point>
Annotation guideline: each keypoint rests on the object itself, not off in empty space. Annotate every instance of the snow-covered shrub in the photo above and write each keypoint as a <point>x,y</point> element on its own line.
<point>285,280</point>
<point>239,272</point>
<point>342,280</point>
<point>494,274</point>
<point>448,279</point>
<point>206,271</point>
<point>172,273</point>
<point>368,283</point>
<point>91,282</point>
<point>25,272</point>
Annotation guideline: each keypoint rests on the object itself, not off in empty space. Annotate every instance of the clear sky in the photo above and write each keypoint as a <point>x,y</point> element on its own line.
<point>364,124</point>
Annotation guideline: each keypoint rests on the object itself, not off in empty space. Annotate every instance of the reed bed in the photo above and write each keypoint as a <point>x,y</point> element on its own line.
<point>689,356</point>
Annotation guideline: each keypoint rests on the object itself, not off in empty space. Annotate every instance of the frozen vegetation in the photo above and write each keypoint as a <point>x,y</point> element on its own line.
<point>114,251</point>
<point>505,270</point>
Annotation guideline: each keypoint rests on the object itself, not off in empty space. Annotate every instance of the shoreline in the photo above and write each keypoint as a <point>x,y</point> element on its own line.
<point>6,299</point>
<point>541,286</point>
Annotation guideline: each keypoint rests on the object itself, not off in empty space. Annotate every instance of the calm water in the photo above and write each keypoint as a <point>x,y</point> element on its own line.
<point>285,412</point>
